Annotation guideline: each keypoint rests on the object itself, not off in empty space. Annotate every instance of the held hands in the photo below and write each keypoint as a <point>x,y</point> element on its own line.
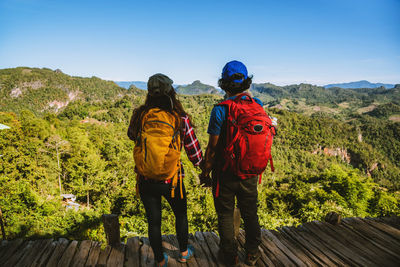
<point>205,180</point>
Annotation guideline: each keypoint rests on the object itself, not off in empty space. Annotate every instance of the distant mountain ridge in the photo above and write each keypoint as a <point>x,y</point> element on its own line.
<point>359,84</point>
<point>197,88</point>
<point>137,84</point>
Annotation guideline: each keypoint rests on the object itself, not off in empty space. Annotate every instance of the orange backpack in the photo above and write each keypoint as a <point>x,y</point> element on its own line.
<point>157,153</point>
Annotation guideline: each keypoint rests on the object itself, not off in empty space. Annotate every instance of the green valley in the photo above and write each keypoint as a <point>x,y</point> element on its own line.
<point>336,150</point>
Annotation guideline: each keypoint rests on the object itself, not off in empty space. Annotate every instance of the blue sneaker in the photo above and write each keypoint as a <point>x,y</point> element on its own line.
<point>166,260</point>
<point>184,259</point>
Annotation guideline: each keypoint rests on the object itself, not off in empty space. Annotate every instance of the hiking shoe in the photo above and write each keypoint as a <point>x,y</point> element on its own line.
<point>228,260</point>
<point>251,259</point>
<point>184,259</point>
<point>166,260</point>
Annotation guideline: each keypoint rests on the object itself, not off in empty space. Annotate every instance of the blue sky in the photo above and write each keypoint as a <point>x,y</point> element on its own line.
<point>283,42</point>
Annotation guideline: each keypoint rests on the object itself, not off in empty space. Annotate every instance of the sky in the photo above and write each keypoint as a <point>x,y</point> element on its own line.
<point>282,42</point>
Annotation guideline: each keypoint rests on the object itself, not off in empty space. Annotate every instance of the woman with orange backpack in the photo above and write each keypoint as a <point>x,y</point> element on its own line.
<point>159,129</point>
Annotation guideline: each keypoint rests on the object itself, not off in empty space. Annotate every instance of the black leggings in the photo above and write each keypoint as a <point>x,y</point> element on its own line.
<point>150,194</point>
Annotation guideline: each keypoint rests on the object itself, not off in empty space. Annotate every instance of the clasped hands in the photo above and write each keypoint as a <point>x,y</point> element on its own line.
<point>205,179</point>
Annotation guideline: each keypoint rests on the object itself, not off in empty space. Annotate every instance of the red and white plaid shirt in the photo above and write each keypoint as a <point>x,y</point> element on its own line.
<point>191,144</point>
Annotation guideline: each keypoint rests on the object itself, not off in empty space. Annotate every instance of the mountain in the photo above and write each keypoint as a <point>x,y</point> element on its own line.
<point>196,88</point>
<point>137,84</point>
<point>359,84</point>
<point>44,89</point>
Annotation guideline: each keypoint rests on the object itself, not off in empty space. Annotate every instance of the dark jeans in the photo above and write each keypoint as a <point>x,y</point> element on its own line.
<point>231,186</point>
<point>150,194</point>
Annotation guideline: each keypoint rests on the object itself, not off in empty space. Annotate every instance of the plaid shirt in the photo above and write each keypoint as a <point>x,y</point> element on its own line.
<point>191,145</point>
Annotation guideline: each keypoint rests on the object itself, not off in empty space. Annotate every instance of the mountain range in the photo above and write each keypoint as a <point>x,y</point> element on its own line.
<point>359,84</point>
<point>137,84</point>
<point>199,88</point>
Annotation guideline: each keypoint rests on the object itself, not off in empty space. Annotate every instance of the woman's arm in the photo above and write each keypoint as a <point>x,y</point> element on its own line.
<point>191,143</point>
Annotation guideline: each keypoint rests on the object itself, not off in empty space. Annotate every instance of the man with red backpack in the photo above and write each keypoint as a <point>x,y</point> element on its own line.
<point>238,151</point>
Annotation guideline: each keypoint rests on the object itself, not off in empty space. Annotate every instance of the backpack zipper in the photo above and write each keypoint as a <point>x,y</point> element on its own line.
<point>166,123</point>
<point>161,122</point>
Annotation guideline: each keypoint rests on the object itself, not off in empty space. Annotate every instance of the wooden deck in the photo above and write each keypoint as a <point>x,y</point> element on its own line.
<point>354,242</point>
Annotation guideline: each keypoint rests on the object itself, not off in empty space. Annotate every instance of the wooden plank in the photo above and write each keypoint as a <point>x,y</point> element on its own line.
<point>58,252</point>
<point>132,252</point>
<point>201,242</point>
<point>94,254</point>
<point>394,221</point>
<point>146,253</point>
<point>46,244</point>
<point>29,256</point>
<point>264,260</point>
<point>273,252</point>
<point>3,243</point>
<point>375,244</point>
<point>11,247</point>
<point>42,261</point>
<point>81,254</point>
<point>302,252</point>
<point>352,243</point>
<point>117,256</point>
<point>18,254</point>
<point>314,246</point>
<point>174,250</point>
<point>287,248</point>
<point>336,246</point>
<point>283,248</point>
<point>361,245</point>
<point>214,248</point>
<point>372,236</point>
<point>68,254</point>
<point>359,224</point>
<point>385,228</point>
<point>199,254</point>
<point>3,246</point>
<point>103,256</point>
<point>28,251</point>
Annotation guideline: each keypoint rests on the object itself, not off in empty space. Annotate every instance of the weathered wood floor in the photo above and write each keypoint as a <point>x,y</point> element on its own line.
<point>355,242</point>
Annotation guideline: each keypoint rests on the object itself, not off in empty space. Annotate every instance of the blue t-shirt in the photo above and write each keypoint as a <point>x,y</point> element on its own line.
<point>218,116</point>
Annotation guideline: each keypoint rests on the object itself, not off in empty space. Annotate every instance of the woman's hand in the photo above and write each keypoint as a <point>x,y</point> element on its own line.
<point>205,180</point>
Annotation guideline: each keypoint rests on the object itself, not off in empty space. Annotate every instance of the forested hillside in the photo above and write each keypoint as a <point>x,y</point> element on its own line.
<point>337,103</point>
<point>348,164</point>
<point>41,90</point>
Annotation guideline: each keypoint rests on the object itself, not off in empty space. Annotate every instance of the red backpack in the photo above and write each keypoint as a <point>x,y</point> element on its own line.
<point>249,137</point>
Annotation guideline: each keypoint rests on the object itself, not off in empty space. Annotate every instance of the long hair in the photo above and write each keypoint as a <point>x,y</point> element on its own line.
<point>167,103</point>
<point>228,85</point>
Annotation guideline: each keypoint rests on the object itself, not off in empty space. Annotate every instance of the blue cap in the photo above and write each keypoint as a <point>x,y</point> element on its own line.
<point>233,67</point>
